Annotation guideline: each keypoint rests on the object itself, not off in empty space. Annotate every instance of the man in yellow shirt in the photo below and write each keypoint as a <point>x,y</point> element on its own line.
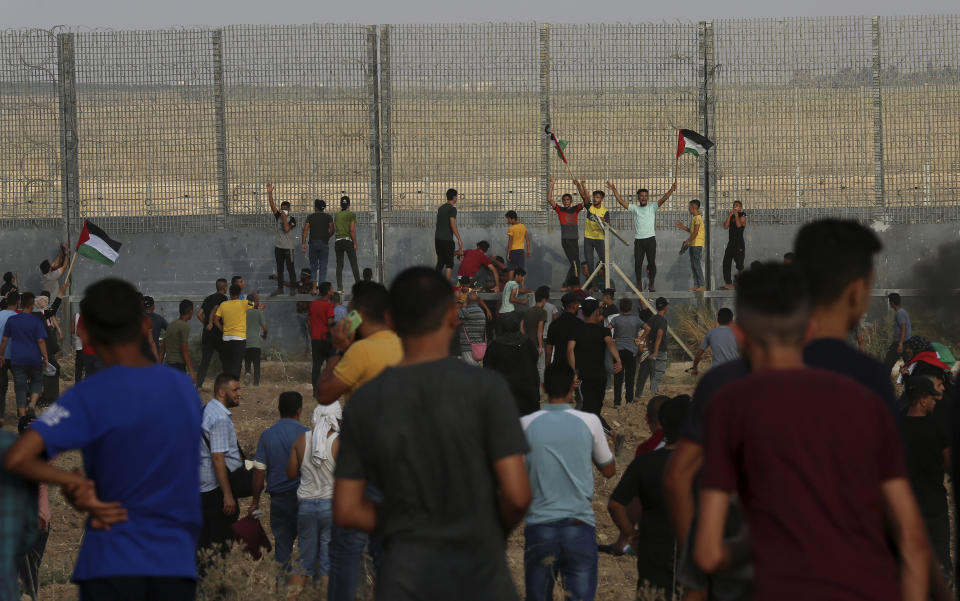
<point>231,318</point>
<point>593,233</point>
<point>518,244</point>
<point>695,243</point>
<point>363,354</point>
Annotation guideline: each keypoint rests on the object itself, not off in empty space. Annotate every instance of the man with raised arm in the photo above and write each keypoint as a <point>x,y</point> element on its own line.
<point>569,215</point>
<point>286,240</point>
<point>644,231</point>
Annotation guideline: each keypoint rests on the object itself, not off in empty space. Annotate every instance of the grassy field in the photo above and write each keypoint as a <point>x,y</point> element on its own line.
<point>249,580</point>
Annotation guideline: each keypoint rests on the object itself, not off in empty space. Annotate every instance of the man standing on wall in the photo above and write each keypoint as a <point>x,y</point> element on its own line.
<point>644,230</point>
<point>569,216</point>
<point>445,232</point>
<point>345,233</point>
<point>736,250</point>
<point>315,239</point>
<point>593,232</point>
<point>286,240</point>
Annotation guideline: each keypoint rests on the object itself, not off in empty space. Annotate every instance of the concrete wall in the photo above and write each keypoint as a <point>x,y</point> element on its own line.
<point>186,265</point>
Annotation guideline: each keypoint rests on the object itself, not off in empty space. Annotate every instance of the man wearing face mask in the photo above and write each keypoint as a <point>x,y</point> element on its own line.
<point>286,241</point>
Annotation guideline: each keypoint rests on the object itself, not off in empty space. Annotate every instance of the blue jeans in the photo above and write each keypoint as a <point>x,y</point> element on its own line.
<point>314,523</point>
<point>696,265</point>
<point>27,381</point>
<point>567,548</point>
<point>319,253</point>
<point>283,523</point>
<point>346,549</point>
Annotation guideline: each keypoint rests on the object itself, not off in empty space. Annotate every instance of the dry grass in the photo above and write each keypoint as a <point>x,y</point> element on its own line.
<point>239,578</point>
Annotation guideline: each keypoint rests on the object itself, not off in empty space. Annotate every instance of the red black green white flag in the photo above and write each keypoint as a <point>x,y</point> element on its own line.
<point>690,142</point>
<point>95,244</point>
<point>560,146</point>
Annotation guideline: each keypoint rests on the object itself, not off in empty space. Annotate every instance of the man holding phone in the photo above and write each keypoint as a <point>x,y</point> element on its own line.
<point>365,344</point>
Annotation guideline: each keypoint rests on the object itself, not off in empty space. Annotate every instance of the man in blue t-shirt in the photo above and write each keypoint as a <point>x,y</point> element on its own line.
<point>26,336</point>
<point>560,529</point>
<point>644,230</point>
<point>270,465</point>
<point>137,426</point>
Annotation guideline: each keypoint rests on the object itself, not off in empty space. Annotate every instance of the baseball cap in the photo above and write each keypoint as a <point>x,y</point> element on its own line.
<point>148,301</point>
<point>661,302</point>
<point>568,299</point>
<point>921,384</point>
<point>589,306</point>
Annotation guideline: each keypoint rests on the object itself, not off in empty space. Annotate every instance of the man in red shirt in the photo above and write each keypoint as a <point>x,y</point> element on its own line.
<point>319,319</point>
<point>817,463</point>
<point>471,261</point>
<point>569,215</point>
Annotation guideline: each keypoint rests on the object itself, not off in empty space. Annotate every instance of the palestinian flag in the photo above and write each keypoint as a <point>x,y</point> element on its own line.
<point>689,141</point>
<point>560,145</point>
<point>95,244</point>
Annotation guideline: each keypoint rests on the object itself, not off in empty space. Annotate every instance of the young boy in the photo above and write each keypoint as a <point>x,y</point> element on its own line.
<point>569,215</point>
<point>518,244</point>
<point>141,457</point>
<point>721,340</point>
<point>514,293</point>
<point>772,437</point>
<point>593,232</point>
<point>694,243</point>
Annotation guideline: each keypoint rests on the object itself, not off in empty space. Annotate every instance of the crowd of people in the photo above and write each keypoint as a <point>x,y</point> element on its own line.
<point>443,417</point>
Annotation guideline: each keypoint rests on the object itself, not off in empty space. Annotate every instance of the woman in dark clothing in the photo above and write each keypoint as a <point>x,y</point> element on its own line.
<point>515,356</point>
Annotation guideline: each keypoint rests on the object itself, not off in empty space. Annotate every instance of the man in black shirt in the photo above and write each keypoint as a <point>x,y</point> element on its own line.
<point>736,250</point>
<point>562,330</point>
<point>928,457</point>
<point>443,442</point>
<point>641,491</point>
<point>586,353</point>
<point>654,367</point>
<point>212,337</point>
<point>315,240</point>
<point>836,257</point>
<point>445,232</point>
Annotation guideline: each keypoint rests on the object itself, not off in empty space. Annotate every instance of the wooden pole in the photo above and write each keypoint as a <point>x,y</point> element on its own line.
<point>70,270</point>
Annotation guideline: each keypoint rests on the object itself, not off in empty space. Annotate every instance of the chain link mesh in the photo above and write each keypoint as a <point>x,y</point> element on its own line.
<point>298,103</point>
<point>179,130</point>
<point>618,95</point>
<point>464,114</point>
<point>147,156</point>
<point>793,113</point>
<point>920,79</point>
<point>29,127</point>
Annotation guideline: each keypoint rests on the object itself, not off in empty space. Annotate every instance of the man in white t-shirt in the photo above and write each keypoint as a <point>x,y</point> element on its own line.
<point>644,234</point>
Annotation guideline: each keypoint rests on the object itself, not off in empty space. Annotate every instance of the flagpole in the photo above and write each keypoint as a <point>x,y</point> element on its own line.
<point>70,270</point>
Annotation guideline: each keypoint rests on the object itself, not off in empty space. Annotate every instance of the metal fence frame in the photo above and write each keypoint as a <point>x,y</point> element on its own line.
<point>883,38</point>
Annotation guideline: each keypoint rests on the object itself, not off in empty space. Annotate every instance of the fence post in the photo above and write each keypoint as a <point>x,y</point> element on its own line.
<point>707,165</point>
<point>878,176</point>
<point>221,123</point>
<point>69,156</point>
<point>545,142</point>
<point>385,135</point>
<point>375,175</point>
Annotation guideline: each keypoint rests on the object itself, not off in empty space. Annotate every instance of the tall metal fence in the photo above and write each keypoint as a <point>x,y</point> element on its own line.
<point>180,130</point>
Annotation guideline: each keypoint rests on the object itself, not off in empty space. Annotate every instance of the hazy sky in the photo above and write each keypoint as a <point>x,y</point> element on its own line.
<point>166,13</point>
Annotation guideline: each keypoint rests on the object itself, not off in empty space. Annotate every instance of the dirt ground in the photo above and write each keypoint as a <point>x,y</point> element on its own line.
<point>258,410</point>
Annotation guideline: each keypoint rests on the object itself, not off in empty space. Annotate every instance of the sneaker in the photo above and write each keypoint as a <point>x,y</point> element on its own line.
<point>277,292</point>
<point>618,441</point>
